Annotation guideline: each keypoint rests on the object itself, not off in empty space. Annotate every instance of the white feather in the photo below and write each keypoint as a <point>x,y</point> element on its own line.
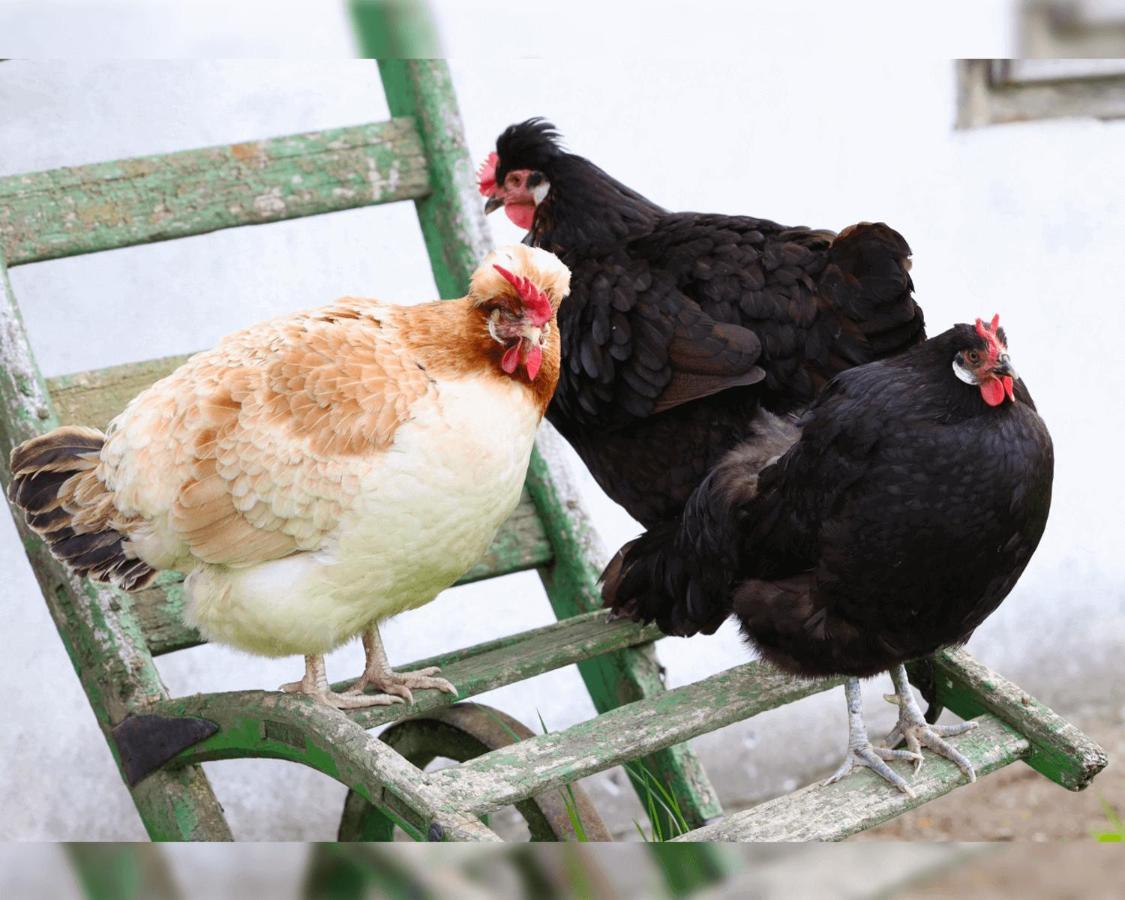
<point>425,512</point>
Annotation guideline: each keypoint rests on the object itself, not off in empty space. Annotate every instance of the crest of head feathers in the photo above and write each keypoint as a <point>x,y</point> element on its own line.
<point>526,145</point>
<point>537,277</point>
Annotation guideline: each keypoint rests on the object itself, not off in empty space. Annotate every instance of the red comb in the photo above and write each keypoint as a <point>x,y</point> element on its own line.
<point>486,175</point>
<point>534,300</point>
<point>995,345</point>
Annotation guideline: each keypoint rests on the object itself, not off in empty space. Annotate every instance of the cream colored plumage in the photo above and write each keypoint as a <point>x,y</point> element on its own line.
<point>315,473</point>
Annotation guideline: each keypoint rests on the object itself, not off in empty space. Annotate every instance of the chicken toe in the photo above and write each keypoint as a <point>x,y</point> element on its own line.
<point>378,673</point>
<point>860,750</point>
<point>913,729</point>
<point>315,684</point>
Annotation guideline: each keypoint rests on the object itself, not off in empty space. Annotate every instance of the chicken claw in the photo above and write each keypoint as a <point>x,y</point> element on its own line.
<point>913,728</point>
<point>862,753</point>
<point>378,673</point>
<point>315,684</point>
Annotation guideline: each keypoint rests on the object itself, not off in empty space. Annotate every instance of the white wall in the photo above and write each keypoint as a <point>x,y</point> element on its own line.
<point>1024,220</point>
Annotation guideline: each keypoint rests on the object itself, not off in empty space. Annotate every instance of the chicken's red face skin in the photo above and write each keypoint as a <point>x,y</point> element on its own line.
<point>987,365</point>
<point>524,331</point>
<point>521,192</point>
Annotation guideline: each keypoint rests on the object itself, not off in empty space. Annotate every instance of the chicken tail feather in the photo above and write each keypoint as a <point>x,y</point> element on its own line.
<point>679,573</point>
<point>54,483</point>
<point>868,283</point>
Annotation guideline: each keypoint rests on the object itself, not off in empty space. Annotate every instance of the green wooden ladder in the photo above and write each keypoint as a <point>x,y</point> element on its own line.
<point>159,741</point>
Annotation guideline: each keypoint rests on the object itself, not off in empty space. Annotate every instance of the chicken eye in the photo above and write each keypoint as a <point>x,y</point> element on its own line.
<point>974,357</point>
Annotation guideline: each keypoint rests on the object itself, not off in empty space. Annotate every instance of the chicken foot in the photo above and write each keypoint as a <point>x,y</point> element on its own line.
<point>860,750</point>
<point>378,673</point>
<point>913,728</point>
<point>315,685</point>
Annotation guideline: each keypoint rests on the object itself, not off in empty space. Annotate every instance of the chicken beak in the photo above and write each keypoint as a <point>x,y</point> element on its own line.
<point>1004,367</point>
<point>493,204</point>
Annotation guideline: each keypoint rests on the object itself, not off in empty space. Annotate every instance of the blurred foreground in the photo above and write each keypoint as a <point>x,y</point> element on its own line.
<point>616,872</point>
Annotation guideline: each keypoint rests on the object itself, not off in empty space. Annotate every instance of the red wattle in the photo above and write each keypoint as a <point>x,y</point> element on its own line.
<point>534,361</point>
<point>523,214</point>
<point>511,358</point>
<point>992,390</point>
<point>1009,388</point>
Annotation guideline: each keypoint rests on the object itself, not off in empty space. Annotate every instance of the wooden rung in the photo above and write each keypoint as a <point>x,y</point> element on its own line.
<point>1058,750</point>
<point>473,670</point>
<point>862,800</point>
<point>520,544</point>
<point>93,398</point>
<point>513,773</point>
<point>64,212</point>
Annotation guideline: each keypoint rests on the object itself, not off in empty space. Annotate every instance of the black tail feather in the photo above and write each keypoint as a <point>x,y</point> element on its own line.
<point>41,471</point>
<point>679,574</point>
<point>868,282</point>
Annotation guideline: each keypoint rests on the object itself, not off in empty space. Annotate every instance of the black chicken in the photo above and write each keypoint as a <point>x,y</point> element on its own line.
<point>903,514</point>
<point>682,328</point>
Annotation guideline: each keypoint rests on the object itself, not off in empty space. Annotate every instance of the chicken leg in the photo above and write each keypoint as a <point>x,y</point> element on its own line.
<point>315,685</point>
<point>378,673</point>
<point>913,728</point>
<point>860,750</point>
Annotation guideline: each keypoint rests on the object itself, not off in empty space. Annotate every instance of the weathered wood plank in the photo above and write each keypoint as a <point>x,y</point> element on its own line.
<point>1058,750</point>
<point>284,726</point>
<point>572,586</point>
<point>452,214</point>
<point>281,726</point>
<point>628,732</point>
<point>93,398</point>
<point>863,800</point>
<point>520,544</point>
<point>473,670</point>
<point>64,212</point>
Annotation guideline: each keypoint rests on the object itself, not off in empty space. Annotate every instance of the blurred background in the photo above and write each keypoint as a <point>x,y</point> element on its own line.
<point>1004,174</point>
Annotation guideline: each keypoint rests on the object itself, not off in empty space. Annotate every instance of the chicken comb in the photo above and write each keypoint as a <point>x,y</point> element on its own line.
<point>486,175</point>
<point>534,300</point>
<point>991,336</point>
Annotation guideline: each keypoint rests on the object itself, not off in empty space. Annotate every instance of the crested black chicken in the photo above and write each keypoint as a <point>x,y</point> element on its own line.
<point>685,332</point>
<point>913,494</point>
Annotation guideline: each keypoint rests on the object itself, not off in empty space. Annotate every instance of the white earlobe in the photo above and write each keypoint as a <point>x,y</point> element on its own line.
<point>962,372</point>
<point>540,191</point>
<point>493,321</point>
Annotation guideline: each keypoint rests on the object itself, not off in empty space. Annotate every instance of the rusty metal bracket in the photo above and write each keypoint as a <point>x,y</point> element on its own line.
<point>145,743</point>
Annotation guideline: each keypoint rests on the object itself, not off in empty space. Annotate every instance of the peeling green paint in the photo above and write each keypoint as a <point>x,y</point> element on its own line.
<point>1058,751</point>
<point>183,813</point>
<point>101,637</point>
<point>63,212</point>
<point>832,812</point>
<point>671,717</point>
